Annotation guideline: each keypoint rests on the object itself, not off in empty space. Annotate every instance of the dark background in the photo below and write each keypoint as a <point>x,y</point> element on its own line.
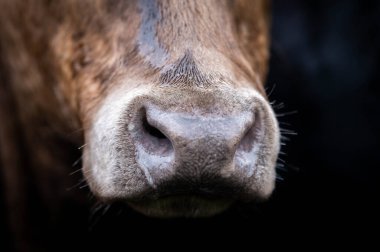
<point>324,65</point>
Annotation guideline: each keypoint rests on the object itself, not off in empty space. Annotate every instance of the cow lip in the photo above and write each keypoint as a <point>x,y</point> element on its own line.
<point>181,205</point>
<point>209,198</point>
<point>217,191</point>
<point>195,195</point>
<point>182,195</point>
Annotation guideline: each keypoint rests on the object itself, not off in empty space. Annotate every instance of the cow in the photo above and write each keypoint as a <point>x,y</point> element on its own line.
<point>164,100</point>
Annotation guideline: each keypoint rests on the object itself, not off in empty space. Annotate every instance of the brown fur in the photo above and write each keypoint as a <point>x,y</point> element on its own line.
<point>59,59</point>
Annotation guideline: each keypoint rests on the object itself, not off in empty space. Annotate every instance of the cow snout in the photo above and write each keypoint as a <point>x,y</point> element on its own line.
<point>177,153</point>
<point>201,151</point>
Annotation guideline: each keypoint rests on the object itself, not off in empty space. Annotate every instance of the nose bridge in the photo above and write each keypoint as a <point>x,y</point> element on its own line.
<point>186,127</point>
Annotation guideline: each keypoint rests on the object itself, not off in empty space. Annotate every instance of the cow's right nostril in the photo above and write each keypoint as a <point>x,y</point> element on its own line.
<point>153,139</point>
<point>151,130</point>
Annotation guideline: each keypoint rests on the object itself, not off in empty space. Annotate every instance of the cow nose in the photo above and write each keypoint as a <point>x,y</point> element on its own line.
<point>195,147</point>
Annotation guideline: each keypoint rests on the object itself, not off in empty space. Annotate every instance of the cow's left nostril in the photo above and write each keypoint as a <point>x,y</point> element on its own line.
<point>247,152</point>
<point>250,137</point>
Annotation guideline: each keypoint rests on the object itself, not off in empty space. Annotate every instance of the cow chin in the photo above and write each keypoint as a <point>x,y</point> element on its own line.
<point>181,206</point>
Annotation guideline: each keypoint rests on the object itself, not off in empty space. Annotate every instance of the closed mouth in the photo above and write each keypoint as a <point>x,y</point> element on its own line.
<point>191,205</point>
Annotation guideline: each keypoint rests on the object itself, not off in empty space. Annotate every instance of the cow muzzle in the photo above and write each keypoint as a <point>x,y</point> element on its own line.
<point>171,156</point>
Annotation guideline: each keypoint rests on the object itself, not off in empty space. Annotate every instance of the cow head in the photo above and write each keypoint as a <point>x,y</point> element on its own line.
<point>171,97</point>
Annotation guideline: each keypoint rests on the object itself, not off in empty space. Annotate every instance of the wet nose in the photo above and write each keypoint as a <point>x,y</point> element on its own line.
<point>199,148</point>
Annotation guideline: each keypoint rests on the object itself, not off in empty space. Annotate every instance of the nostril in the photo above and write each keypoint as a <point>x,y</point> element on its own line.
<point>151,130</point>
<point>247,152</point>
<point>152,139</point>
<point>251,136</point>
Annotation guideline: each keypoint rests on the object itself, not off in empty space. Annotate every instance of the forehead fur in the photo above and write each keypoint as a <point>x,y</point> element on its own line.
<point>86,47</point>
<point>154,34</point>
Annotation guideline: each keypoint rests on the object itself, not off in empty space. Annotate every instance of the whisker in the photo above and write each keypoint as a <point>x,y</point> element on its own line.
<point>289,133</point>
<point>77,161</point>
<point>94,217</point>
<point>272,89</point>
<point>287,113</point>
<point>97,206</point>
<point>83,186</point>
<point>284,138</point>
<point>106,208</point>
<point>76,185</point>
<point>279,178</point>
<point>81,147</point>
<point>285,123</point>
<point>286,129</point>
<point>278,106</point>
<point>282,168</point>
<point>74,172</point>
<point>90,196</point>
<point>293,167</point>
<point>80,170</point>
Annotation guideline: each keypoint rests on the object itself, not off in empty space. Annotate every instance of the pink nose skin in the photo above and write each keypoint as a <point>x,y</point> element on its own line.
<point>204,154</point>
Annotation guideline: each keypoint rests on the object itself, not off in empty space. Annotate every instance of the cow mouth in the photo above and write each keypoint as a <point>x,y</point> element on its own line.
<point>166,159</point>
<point>176,206</point>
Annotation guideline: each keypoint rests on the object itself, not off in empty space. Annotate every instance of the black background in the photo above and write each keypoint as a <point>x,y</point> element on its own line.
<point>324,65</point>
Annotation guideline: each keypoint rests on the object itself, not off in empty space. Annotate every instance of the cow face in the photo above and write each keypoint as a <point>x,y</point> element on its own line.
<point>170,94</point>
